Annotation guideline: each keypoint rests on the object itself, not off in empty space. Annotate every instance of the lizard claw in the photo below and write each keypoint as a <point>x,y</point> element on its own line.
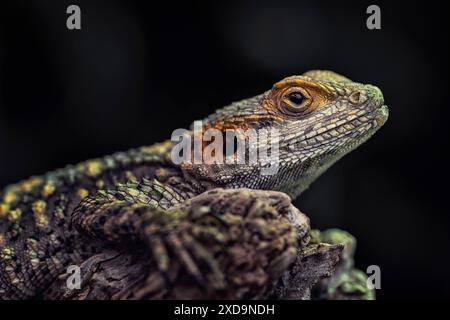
<point>172,238</point>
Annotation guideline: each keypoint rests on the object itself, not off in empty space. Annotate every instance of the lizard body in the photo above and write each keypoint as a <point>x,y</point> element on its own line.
<point>64,217</point>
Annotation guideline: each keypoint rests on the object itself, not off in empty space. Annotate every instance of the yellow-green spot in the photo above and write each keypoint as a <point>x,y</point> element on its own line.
<point>15,214</point>
<point>130,176</point>
<point>82,193</point>
<point>93,168</point>
<point>59,213</point>
<point>7,253</point>
<point>29,184</point>
<point>100,184</point>
<point>4,208</point>
<point>48,189</point>
<point>38,208</point>
<point>9,197</point>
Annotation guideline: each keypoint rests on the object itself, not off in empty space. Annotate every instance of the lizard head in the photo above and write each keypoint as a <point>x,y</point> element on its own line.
<point>303,125</point>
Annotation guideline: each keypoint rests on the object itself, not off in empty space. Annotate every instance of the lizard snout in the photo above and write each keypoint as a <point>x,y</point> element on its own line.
<point>374,94</point>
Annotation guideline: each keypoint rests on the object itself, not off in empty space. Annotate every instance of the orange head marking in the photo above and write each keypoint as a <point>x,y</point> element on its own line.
<point>298,96</point>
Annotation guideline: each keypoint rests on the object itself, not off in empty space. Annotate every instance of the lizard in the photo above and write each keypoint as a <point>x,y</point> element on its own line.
<point>141,197</point>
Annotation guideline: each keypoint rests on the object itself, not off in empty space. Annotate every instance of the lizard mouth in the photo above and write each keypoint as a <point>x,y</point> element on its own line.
<point>382,114</point>
<point>366,123</point>
<point>375,120</point>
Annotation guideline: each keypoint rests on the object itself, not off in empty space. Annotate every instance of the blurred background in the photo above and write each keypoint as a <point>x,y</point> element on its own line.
<point>137,70</point>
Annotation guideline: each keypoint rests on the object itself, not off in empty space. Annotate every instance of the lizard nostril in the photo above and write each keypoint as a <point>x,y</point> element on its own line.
<point>356,97</point>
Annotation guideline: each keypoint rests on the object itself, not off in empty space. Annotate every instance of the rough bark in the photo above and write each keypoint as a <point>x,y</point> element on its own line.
<point>322,269</point>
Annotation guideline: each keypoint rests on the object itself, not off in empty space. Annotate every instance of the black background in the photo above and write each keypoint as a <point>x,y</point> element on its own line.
<point>138,70</point>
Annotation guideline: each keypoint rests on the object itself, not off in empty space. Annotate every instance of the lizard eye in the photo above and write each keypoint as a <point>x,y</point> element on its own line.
<point>295,102</point>
<point>296,98</point>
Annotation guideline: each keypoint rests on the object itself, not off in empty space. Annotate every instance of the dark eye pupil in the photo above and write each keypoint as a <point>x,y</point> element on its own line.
<point>295,98</point>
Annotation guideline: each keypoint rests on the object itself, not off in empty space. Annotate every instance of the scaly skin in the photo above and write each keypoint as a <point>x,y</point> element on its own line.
<point>66,216</point>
